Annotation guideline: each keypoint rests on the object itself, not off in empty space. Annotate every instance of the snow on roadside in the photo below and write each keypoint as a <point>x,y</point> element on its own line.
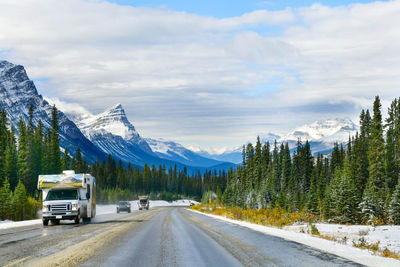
<point>361,256</point>
<point>387,235</point>
<point>10,224</point>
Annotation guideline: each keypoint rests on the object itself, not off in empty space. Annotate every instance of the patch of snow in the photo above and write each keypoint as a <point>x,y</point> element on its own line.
<point>11,224</point>
<point>387,235</point>
<point>354,254</point>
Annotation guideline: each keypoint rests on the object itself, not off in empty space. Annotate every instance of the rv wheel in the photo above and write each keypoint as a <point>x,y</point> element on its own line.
<point>45,222</point>
<point>78,219</point>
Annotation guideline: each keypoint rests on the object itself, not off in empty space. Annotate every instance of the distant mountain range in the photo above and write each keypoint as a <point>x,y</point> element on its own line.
<point>97,135</point>
<point>321,135</point>
<point>112,133</point>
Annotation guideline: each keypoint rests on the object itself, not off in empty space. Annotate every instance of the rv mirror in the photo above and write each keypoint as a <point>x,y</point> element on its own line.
<point>87,195</point>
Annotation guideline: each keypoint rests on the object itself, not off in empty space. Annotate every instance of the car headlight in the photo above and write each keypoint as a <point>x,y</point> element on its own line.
<point>74,207</point>
<point>44,208</point>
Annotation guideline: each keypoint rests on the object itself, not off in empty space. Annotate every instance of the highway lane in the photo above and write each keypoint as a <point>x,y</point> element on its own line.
<point>177,237</point>
<point>158,237</point>
<point>39,241</point>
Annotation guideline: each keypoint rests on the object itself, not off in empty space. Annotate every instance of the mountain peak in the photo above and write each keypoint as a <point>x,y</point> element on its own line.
<point>117,107</point>
<point>5,65</point>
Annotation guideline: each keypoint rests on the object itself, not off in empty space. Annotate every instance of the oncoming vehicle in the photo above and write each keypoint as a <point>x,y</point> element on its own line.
<point>124,206</point>
<point>143,202</point>
<point>68,196</point>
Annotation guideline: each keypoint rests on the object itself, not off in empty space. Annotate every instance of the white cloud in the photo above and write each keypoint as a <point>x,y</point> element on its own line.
<point>204,80</point>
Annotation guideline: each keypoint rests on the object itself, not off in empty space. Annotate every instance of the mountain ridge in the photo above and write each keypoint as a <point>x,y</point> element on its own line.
<point>18,92</point>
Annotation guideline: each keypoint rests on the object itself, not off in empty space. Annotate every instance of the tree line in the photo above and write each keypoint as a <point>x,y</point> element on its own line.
<point>357,183</point>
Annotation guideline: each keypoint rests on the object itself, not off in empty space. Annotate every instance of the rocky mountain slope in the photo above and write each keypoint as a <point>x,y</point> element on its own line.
<point>18,92</point>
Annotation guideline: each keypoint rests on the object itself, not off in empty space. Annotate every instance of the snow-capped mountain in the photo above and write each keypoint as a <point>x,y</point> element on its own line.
<point>114,134</point>
<point>321,135</point>
<point>328,131</point>
<point>18,92</point>
<point>176,152</point>
<point>113,121</point>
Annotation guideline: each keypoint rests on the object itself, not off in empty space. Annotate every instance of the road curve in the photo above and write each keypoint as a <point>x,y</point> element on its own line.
<point>158,237</point>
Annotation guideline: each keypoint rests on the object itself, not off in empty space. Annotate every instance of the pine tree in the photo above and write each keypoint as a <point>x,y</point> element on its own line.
<point>37,150</point>
<point>55,153</point>
<point>341,203</point>
<point>10,168</point>
<point>3,143</point>
<point>24,171</point>
<point>394,208</point>
<point>66,160</point>
<point>374,195</point>
<point>392,146</point>
<point>19,201</point>
<point>5,201</point>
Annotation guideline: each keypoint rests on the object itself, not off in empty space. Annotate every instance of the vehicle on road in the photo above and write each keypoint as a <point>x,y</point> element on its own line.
<point>67,196</point>
<point>124,206</point>
<point>143,202</point>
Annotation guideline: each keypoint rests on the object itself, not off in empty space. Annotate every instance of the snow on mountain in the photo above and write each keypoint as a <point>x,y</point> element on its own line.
<point>328,131</point>
<point>113,121</point>
<point>18,92</point>
<point>321,135</point>
<point>176,152</point>
<point>112,132</point>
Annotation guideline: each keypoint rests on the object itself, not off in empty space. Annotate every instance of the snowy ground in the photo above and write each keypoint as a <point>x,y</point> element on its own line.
<point>104,209</point>
<point>293,233</point>
<point>388,236</point>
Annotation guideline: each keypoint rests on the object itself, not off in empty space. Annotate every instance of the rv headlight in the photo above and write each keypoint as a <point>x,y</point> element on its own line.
<point>44,208</point>
<point>74,207</point>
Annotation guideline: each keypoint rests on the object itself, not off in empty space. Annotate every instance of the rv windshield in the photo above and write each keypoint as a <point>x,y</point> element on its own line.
<point>66,194</point>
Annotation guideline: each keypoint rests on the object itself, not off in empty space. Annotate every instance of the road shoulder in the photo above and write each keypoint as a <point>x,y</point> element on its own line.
<point>354,254</point>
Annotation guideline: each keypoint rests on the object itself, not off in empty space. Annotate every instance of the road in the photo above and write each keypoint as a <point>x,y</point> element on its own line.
<point>169,236</point>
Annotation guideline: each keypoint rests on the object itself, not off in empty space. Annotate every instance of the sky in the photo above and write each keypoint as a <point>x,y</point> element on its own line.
<point>208,73</point>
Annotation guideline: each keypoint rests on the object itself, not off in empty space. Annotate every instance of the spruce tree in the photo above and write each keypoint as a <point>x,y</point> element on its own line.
<point>66,160</point>
<point>24,171</point>
<point>341,203</point>
<point>394,208</point>
<point>5,201</point>
<point>19,201</point>
<point>3,143</point>
<point>55,153</point>
<point>374,195</point>
<point>10,168</point>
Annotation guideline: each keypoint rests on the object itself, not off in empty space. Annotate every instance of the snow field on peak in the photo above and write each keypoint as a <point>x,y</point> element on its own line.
<point>166,147</point>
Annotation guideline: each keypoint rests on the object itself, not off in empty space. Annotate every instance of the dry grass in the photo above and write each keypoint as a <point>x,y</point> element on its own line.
<point>267,216</point>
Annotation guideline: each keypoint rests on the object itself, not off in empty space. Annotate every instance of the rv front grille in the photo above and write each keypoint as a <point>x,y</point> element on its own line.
<point>59,207</point>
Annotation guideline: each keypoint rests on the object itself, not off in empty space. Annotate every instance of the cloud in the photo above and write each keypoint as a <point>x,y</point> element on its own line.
<point>202,80</point>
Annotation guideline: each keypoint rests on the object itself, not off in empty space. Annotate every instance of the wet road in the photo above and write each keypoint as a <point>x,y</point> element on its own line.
<point>158,237</point>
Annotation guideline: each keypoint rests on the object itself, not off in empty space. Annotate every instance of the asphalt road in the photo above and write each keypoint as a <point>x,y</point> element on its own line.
<point>158,237</point>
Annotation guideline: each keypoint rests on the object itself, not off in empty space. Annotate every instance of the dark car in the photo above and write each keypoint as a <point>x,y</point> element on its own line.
<point>124,206</point>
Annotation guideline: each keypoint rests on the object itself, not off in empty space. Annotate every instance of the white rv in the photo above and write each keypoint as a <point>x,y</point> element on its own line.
<point>68,196</point>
